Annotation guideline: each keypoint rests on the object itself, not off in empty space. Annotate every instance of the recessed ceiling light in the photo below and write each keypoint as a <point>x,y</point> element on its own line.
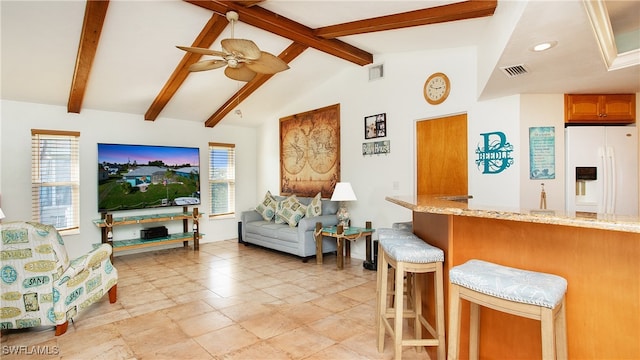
<point>544,46</point>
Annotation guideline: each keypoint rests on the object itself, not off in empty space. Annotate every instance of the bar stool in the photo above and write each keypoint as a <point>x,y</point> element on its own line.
<point>530,294</point>
<point>407,253</point>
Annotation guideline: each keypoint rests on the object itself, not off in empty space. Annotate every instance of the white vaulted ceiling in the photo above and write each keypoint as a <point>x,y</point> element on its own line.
<point>136,53</point>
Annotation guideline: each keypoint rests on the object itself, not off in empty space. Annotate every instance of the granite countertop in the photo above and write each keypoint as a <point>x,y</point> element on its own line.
<point>464,206</point>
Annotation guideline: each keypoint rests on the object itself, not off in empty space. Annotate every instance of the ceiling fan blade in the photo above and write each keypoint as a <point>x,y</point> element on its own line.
<point>244,48</point>
<point>201,51</point>
<point>267,64</point>
<point>207,65</point>
<point>241,73</point>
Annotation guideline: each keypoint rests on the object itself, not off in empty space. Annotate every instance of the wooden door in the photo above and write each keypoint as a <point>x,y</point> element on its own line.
<point>441,146</point>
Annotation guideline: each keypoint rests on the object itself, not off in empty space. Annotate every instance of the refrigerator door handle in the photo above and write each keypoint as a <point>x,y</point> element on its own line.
<point>602,207</point>
<point>612,180</point>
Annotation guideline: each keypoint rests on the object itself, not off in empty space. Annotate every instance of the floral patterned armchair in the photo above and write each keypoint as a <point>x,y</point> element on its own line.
<point>39,286</point>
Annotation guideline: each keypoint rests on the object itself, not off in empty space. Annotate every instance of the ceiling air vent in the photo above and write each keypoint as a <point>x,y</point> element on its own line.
<point>376,72</point>
<point>514,70</point>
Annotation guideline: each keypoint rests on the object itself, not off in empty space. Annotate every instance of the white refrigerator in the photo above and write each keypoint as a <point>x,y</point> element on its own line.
<point>602,169</point>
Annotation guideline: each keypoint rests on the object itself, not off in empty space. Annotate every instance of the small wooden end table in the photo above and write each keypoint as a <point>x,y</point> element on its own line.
<point>341,234</point>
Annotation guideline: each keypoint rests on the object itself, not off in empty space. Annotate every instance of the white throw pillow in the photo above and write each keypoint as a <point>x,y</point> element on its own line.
<point>291,211</point>
<point>267,208</point>
<point>315,206</point>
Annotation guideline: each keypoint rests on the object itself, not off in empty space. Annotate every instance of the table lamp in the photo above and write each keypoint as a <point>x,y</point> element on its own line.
<point>343,193</point>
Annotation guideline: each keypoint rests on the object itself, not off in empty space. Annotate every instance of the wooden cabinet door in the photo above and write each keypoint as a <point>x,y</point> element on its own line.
<point>441,156</point>
<point>619,107</point>
<point>600,109</point>
<point>581,108</point>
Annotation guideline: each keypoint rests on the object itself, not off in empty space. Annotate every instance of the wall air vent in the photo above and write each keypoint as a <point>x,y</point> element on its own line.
<point>515,70</point>
<point>376,72</point>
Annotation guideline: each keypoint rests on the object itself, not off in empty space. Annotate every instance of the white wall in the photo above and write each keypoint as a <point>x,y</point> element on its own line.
<point>500,189</point>
<point>542,110</point>
<point>19,118</point>
<point>400,95</point>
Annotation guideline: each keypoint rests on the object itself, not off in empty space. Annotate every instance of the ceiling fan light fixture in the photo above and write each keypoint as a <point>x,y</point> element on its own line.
<point>232,62</point>
<point>242,57</point>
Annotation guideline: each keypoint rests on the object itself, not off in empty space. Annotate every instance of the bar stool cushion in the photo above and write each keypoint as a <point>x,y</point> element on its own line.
<point>405,226</point>
<point>405,246</point>
<point>527,287</point>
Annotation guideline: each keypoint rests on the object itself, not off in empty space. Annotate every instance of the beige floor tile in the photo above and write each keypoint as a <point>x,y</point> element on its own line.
<point>261,350</point>
<point>269,325</point>
<point>186,349</point>
<point>335,302</point>
<point>154,338</point>
<point>247,310</point>
<point>186,310</point>
<point>304,313</point>
<point>337,351</point>
<point>338,327</point>
<point>227,301</point>
<point>151,306</point>
<point>301,342</point>
<point>226,340</point>
<point>204,323</point>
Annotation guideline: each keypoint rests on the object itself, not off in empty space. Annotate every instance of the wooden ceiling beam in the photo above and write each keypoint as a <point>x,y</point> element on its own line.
<point>287,56</point>
<point>94,15</point>
<point>452,12</point>
<point>279,25</point>
<point>210,32</point>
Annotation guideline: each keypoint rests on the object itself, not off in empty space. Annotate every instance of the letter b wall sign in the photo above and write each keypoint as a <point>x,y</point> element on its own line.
<point>494,153</point>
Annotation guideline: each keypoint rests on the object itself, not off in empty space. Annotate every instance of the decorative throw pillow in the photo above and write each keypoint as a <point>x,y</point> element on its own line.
<point>267,208</point>
<point>279,219</point>
<point>291,211</point>
<point>315,206</point>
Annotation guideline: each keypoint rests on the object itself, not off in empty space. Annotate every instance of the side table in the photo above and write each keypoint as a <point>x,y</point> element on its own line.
<point>344,247</point>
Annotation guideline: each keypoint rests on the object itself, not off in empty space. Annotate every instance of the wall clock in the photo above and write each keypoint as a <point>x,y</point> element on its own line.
<point>436,88</point>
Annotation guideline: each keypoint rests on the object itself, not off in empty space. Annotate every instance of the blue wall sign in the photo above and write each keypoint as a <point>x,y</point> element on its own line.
<point>494,156</point>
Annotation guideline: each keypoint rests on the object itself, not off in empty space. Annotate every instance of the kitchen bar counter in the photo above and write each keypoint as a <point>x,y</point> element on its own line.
<point>459,205</point>
<point>598,255</point>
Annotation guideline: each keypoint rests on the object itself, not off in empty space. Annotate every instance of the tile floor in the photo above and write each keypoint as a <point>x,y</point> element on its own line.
<point>227,301</point>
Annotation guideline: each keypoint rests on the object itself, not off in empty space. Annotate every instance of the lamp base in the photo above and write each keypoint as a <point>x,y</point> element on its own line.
<point>343,215</point>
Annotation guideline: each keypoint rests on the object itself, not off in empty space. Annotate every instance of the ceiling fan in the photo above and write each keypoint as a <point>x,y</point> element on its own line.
<point>242,57</point>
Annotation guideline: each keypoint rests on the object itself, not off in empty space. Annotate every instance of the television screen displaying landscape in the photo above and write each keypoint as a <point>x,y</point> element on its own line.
<point>145,176</point>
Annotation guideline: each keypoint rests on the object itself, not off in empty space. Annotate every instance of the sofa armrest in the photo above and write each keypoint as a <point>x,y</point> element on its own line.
<point>250,215</point>
<point>309,223</point>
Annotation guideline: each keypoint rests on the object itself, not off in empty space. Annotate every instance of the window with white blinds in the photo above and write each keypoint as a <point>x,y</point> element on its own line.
<point>55,178</point>
<point>222,179</point>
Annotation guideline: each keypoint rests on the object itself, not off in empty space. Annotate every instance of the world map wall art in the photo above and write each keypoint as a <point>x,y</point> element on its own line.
<point>310,152</point>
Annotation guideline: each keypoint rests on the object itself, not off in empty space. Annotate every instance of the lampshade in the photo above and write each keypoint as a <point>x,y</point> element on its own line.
<point>1,214</point>
<point>343,192</point>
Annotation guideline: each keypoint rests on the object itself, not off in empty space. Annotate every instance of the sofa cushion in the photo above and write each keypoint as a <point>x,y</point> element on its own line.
<point>271,230</point>
<point>267,208</point>
<point>291,211</point>
<point>315,206</point>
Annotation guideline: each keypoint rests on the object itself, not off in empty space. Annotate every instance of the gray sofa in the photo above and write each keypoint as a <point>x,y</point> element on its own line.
<point>297,240</point>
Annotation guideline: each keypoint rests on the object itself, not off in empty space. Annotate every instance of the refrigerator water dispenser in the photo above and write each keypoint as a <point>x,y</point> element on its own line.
<point>585,188</point>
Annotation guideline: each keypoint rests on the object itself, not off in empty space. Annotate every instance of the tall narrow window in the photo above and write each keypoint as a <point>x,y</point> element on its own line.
<point>222,178</point>
<point>55,178</point>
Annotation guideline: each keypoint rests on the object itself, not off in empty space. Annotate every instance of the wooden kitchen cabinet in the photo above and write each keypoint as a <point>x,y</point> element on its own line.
<point>605,109</point>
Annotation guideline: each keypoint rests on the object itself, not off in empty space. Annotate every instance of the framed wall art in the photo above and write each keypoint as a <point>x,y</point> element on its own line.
<point>375,126</point>
<point>310,152</point>
<point>542,155</point>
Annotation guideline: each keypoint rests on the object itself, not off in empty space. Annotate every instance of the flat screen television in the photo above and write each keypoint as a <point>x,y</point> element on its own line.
<point>147,176</point>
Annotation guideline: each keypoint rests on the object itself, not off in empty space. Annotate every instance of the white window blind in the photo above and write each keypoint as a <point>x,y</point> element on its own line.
<point>55,178</point>
<point>222,178</point>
